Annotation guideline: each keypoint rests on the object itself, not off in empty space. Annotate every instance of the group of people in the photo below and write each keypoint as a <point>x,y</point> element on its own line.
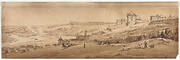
<point>143,44</point>
<point>64,43</point>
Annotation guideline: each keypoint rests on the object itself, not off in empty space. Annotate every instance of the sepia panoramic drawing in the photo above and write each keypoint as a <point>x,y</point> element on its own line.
<point>89,29</point>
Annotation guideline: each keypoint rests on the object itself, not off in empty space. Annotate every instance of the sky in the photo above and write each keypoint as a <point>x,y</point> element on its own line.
<point>44,13</point>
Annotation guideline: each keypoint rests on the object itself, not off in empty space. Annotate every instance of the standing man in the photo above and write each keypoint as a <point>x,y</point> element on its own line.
<point>85,35</point>
<point>60,40</point>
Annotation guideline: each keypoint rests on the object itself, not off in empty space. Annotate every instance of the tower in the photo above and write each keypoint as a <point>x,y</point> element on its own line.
<point>131,18</point>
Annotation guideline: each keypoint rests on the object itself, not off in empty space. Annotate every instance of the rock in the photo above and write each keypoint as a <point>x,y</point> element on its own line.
<point>22,50</point>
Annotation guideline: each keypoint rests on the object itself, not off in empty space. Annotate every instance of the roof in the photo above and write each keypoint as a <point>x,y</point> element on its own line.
<point>131,14</point>
<point>68,37</point>
<point>157,15</point>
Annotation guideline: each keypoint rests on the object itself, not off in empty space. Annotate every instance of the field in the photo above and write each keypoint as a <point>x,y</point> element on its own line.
<point>157,39</point>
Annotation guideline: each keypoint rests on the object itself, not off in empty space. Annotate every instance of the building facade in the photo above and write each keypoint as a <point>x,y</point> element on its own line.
<point>130,19</point>
<point>160,17</point>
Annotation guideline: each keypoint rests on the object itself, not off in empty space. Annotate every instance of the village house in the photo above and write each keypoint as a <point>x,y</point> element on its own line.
<point>160,17</point>
<point>131,19</point>
<point>121,21</point>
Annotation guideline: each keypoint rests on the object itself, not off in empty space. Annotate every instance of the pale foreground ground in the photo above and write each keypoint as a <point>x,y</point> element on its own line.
<point>161,50</point>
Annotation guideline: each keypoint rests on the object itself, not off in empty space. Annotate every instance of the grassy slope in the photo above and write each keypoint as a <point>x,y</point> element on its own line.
<point>93,50</point>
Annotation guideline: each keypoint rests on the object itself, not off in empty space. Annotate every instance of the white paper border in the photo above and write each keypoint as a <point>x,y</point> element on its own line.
<point>177,58</point>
